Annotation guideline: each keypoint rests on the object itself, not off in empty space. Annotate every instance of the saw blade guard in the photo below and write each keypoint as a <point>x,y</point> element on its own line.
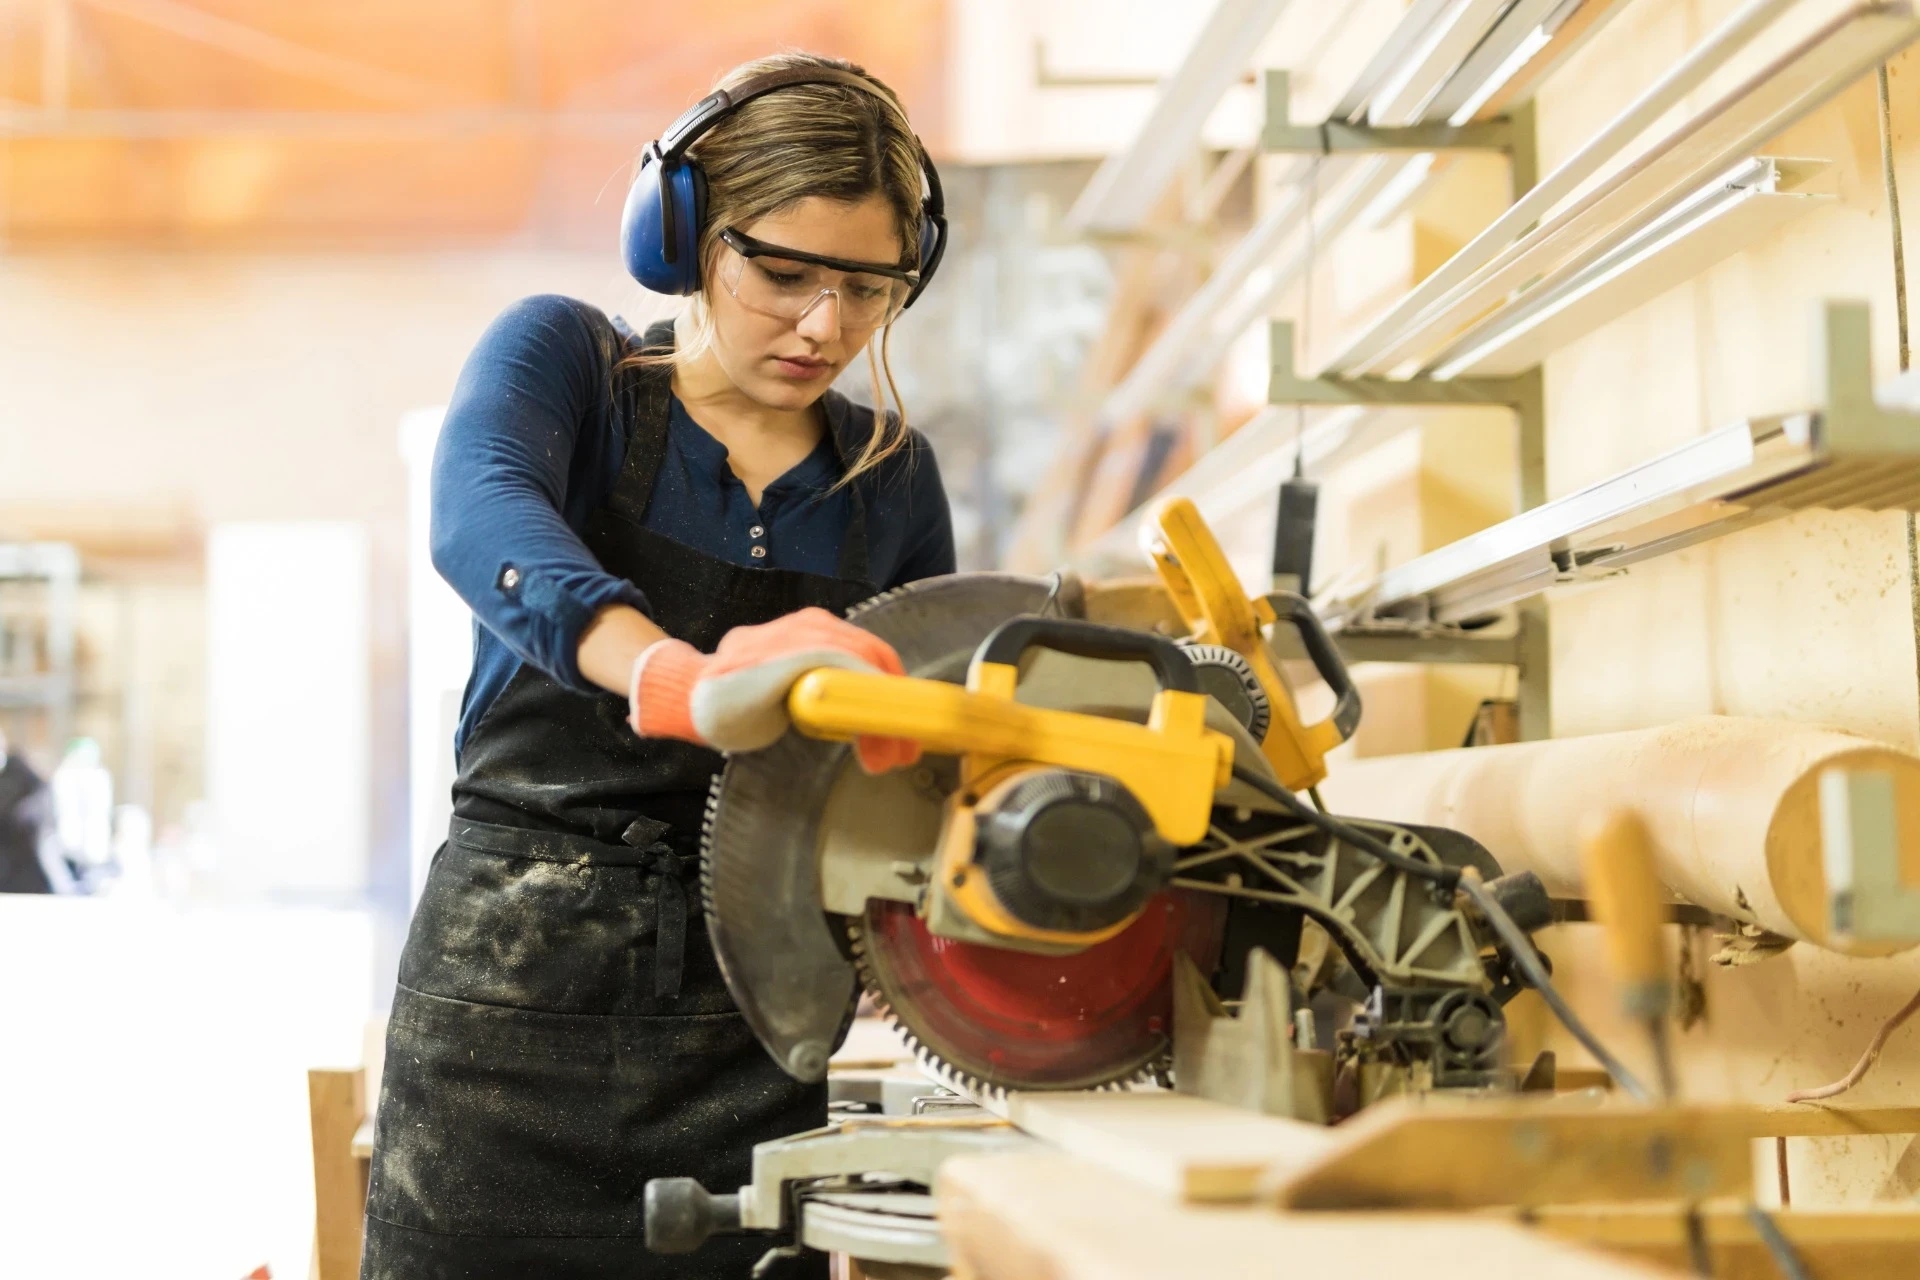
<point>783,954</point>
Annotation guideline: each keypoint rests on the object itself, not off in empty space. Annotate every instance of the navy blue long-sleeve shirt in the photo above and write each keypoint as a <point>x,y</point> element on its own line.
<point>531,447</point>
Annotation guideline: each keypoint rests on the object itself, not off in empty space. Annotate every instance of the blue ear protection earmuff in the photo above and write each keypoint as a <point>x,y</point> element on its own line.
<point>667,205</point>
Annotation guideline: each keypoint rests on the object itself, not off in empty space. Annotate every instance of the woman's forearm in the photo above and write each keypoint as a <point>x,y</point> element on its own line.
<point>615,637</point>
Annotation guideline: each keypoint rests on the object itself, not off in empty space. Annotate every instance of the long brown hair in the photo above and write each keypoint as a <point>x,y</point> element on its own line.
<point>826,140</point>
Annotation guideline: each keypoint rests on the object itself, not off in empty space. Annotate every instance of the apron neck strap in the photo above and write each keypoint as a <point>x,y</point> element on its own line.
<point>652,399</point>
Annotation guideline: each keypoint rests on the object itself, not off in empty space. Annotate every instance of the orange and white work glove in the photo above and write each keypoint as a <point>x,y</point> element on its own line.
<point>735,699</point>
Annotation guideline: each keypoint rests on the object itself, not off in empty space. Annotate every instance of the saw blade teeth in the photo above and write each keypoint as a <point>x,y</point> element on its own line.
<point>954,1077</point>
<point>707,822</point>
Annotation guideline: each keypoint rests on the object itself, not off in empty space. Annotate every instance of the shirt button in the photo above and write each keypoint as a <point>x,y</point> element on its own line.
<point>756,532</point>
<point>509,579</point>
<point>759,553</point>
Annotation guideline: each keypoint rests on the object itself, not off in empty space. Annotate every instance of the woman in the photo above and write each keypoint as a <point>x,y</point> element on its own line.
<point>656,535</point>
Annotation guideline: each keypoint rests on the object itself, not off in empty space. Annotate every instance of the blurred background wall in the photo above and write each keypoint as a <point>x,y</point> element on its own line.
<point>243,241</point>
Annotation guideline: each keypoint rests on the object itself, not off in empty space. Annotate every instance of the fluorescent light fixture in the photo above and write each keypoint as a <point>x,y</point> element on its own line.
<point>1122,191</point>
<point>1723,216</point>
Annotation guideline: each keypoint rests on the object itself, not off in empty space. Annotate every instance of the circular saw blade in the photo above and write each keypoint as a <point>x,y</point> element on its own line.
<point>989,1019</point>
<point>784,961</point>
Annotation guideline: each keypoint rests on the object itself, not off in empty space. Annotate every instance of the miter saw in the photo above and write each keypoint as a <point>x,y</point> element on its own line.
<point>1108,800</point>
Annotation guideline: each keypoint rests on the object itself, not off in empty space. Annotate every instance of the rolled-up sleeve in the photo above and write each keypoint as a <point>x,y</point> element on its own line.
<point>508,451</point>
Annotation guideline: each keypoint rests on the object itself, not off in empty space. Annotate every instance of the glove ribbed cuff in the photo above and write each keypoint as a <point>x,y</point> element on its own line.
<point>660,692</point>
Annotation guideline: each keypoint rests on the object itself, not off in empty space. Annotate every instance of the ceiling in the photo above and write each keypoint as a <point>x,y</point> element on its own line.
<point>382,122</point>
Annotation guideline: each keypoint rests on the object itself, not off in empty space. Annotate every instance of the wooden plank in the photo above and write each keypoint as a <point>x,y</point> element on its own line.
<point>1185,1147</point>
<point>1810,1120</point>
<point>336,1104</point>
<point>1050,1216</point>
<point>1435,1154</point>
<point>362,1145</point>
<point>1878,1242</point>
<point>1402,1153</point>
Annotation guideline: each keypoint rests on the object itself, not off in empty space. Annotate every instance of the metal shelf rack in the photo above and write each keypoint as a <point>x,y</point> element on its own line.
<point>37,667</point>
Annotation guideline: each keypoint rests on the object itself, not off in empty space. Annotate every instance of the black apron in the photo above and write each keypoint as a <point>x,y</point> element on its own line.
<point>561,1034</point>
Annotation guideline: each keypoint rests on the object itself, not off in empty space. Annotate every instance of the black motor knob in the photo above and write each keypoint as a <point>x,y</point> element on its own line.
<point>681,1214</point>
<point>1073,852</point>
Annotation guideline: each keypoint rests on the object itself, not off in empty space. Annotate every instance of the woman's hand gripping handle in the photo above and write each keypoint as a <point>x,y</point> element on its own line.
<point>735,699</point>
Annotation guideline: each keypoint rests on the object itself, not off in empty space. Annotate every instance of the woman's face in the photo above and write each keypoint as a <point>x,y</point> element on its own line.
<point>788,364</point>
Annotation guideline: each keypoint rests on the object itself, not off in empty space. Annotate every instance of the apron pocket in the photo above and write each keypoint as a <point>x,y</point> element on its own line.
<point>502,1121</point>
<point>562,937</point>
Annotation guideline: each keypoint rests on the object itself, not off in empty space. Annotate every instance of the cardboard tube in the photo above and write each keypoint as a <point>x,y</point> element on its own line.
<point>1731,807</point>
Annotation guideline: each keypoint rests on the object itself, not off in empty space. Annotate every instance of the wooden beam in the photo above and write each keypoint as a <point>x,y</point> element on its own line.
<point>1811,1120</point>
<point>1183,1146</point>
<point>1050,1216</point>
<point>286,57</point>
<point>336,1104</point>
<point>1879,1242</point>
<point>56,54</point>
<point>1427,1153</point>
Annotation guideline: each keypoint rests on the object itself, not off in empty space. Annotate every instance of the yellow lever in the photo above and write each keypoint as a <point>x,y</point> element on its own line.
<point>1216,609</point>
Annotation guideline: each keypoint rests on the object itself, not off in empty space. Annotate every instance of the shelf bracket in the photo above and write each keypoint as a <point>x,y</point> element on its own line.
<point>1530,648</point>
<point>1334,136</point>
<point>1520,392</point>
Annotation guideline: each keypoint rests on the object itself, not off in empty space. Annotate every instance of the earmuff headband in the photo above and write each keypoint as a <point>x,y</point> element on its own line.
<point>668,155</point>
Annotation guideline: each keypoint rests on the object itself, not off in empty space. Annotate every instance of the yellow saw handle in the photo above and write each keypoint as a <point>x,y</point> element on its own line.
<point>1173,764</point>
<point>1216,609</point>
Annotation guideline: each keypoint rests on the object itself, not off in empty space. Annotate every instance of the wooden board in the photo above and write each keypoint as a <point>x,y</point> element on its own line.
<point>337,1103</point>
<point>1435,1154</point>
<point>1880,1242</point>
<point>1810,1120</point>
<point>1185,1147</point>
<point>1050,1216</point>
<point>1402,1153</point>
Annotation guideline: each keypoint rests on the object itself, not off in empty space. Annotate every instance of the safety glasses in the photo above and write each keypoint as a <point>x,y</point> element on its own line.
<point>788,284</point>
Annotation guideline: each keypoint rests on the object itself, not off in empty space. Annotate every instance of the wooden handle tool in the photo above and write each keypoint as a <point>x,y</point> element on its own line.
<point>1625,895</point>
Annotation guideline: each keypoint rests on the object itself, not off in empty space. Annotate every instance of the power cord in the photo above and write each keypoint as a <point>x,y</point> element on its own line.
<point>1785,1256</point>
<point>1521,948</point>
<point>1511,936</point>
<point>1445,877</point>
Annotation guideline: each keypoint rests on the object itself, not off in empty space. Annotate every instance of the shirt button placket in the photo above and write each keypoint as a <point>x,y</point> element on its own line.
<point>759,549</point>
